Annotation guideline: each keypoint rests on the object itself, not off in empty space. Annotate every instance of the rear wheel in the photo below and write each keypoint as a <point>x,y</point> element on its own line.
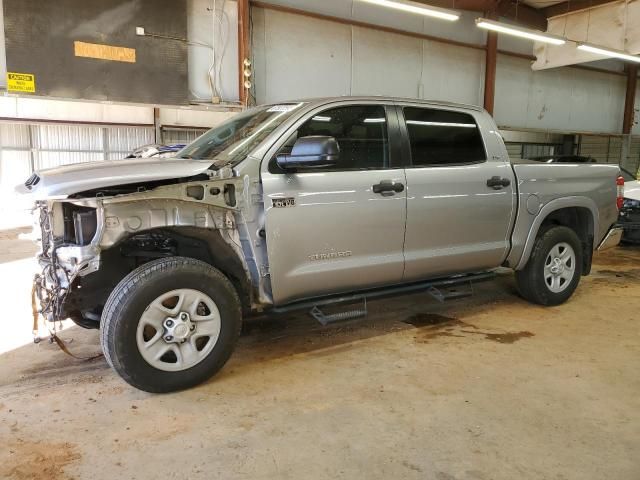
<point>170,324</point>
<point>554,268</point>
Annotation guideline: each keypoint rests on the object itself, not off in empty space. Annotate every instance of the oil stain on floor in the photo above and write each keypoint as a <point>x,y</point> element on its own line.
<point>433,325</point>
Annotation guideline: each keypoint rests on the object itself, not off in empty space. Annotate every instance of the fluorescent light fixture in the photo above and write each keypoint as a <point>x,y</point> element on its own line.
<point>419,8</point>
<point>608,52</point>
<point>320,118</point>
<point>441,124</point>
<point>536,35</point>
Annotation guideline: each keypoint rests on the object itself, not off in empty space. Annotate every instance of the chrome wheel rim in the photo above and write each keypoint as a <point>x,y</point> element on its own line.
<point>178,330</point>
<point>559,267</point>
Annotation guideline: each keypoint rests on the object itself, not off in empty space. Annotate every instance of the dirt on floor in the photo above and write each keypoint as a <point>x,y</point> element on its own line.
<point>485,387</point>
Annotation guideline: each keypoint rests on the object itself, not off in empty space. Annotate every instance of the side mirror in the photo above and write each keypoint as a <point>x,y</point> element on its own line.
<point>311,152</point>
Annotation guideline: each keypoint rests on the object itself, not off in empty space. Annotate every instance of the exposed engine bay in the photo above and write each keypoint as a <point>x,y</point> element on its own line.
<point>92,240</point>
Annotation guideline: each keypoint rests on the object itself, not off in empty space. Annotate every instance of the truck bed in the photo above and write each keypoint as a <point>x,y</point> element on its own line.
<point>545,187</point>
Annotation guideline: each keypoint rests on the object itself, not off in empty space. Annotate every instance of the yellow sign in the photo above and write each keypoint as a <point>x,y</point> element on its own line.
<point>21,82</point>
<point>104,52</point>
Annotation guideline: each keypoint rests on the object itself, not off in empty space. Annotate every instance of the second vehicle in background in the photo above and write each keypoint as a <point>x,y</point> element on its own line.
<point>630,212</point>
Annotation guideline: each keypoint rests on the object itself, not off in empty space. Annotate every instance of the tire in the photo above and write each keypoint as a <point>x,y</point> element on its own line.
<point>134,332</point>
<point>538,282</point>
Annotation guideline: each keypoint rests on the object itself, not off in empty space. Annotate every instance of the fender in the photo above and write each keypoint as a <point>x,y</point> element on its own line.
<point>552,206</point>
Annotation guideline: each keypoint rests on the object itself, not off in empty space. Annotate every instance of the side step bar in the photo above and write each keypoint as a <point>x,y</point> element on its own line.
<point>430,287</point>
<point>325,319</point>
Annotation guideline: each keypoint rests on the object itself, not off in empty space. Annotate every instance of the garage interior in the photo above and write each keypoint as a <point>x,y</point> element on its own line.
<point>483,387</point>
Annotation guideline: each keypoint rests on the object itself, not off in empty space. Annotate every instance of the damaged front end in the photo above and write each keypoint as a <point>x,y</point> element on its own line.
<point>69,237</point>
<point>90,241</point>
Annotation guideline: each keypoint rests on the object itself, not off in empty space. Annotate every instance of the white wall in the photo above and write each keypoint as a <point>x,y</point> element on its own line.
<point>564,99</point>
<point>298,56</point>
<point>200,28</point>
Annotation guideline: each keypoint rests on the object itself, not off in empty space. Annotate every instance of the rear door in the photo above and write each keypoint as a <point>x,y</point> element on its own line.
<point>328,230</point>
<point>460,194</point>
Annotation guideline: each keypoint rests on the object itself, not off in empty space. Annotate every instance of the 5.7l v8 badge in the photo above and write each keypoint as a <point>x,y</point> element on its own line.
<point>283,202</point>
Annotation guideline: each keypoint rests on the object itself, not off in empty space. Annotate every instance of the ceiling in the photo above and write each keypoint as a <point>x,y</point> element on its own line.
<point>538,4</point>
<point>528,13</point>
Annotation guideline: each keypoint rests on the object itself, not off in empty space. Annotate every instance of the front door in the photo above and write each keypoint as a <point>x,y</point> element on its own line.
<point>327,230</point>
<point>460,200</point>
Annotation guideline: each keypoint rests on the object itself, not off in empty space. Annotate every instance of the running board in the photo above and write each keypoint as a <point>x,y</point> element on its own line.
<point>441,296</point>
<point>325,319</point>
<point>432,287</point>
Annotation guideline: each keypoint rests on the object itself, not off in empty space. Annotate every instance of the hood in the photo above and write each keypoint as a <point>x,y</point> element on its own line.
<point>69,179</point>
<point>632,190</point>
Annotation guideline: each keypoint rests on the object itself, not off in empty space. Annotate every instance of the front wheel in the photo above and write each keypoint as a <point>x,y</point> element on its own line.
<point>554,268</point>
<point>170,324</point>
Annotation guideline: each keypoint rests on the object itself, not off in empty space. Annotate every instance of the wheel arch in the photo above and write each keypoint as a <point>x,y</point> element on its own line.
<point>137,248</point>
<point>209,246</point>
<point>578,213</point>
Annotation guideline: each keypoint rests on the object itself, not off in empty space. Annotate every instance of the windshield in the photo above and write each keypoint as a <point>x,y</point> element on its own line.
<point>233,140</point>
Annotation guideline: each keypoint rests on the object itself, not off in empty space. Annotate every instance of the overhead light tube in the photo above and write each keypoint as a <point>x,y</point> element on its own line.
<point>536,35</point>
<point>608,52</point>
<point>419,8</point>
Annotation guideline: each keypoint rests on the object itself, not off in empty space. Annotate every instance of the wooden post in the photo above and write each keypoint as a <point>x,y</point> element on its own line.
<point>630,98</point>
<point>243,48</point>
<point>490,71</point>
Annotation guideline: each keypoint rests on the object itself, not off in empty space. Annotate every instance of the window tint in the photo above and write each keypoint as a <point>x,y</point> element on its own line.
<point>361,133</point>
<point>440,137</point>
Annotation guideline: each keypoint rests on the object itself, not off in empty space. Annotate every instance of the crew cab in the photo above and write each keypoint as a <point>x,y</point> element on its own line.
<point>296,204</point>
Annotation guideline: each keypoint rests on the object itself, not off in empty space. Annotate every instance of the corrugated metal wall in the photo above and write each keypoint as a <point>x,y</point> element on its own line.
<point>180,135</point>
<point>28,147</point>
<point>605,149</point>
<point>331,58</point>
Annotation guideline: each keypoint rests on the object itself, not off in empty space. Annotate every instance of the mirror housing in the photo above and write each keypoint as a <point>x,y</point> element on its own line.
<point>311,152</point>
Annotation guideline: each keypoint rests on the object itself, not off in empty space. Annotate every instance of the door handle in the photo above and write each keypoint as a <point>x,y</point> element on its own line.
<point>497,183</point>
<point>387,188</point>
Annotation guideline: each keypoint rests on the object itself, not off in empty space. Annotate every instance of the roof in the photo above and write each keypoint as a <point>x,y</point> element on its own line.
<point>382,98</point>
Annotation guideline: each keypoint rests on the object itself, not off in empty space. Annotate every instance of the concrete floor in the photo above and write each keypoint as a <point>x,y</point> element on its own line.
<point>482,388</point>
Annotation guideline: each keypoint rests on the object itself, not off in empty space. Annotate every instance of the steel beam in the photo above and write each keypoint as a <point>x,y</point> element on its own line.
<point>490,71</point>
<point>243,48</point>
<point>630,98</point>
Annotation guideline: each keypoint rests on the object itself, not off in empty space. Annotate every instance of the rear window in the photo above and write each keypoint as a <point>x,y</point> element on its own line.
<point>442,137</point>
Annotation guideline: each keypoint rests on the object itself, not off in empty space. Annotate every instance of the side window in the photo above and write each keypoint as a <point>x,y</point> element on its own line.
<point>441,137</point>
<point>361,133</point>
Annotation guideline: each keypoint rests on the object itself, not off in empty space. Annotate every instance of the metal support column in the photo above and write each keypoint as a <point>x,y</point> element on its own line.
<point>490,71</point>
<point>157,126</point>
<point>243,48</point>
<point>630,99</point>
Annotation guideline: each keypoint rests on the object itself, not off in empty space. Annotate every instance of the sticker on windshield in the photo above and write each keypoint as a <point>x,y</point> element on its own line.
<point>282,108</point>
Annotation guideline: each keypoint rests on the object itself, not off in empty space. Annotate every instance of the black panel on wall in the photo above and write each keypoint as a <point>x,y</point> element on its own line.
<point>42,35</point>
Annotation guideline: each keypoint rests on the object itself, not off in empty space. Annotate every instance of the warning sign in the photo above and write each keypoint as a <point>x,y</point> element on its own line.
<point>21,82</point>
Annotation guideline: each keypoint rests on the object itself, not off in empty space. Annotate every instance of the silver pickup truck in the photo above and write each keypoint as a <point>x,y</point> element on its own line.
<point>300,204</point>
